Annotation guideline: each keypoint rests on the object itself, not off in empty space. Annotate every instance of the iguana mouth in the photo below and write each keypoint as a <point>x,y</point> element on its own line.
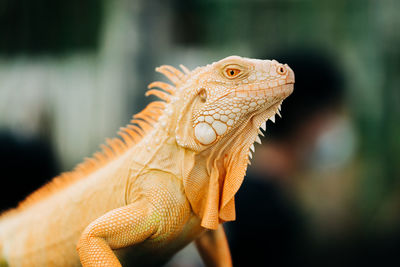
<point>258,90</point>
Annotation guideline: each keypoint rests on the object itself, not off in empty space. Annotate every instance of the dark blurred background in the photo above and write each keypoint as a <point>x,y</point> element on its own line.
<point>323,189</point>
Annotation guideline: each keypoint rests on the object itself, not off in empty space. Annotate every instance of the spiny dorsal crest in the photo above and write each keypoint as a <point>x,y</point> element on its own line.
<point>141,124</point>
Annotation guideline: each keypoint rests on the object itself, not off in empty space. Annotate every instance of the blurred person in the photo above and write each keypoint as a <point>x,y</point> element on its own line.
<point>270,228</point>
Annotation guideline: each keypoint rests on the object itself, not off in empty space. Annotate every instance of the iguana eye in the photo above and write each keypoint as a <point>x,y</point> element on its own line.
<point>281,70</point>
<point>232,73</point>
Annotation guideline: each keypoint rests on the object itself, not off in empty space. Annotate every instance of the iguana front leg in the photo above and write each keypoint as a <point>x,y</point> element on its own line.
<point>118,228</point>
<point>213,248</point>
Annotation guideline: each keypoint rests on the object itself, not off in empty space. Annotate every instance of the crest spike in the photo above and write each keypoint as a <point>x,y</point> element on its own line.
<point>107,151</point>
<point>175,71</point>
<point>170,75</point>
<point>145,125</point>
<point>127,139</point>
<point>185,70</point>
<point>100,157</point>
<point>137,129</point>
<point>165,86</point>
<point>114,145</point>
<point>135,136</point>
<point>157,104</point>
<point>120,143</point>
<point>160,94</point>
<point>145,115</point>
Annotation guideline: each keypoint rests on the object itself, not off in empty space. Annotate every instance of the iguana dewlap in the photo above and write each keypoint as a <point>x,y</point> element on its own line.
<point>169,180</point>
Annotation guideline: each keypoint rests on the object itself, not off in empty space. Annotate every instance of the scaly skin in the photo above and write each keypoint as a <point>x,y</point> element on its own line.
<point>170,182</point>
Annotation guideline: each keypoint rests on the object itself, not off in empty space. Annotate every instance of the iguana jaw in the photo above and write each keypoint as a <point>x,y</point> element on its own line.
<point>259,101</point>
<point>248,130</point>
<point>241,138</point>
<point>273,106</point>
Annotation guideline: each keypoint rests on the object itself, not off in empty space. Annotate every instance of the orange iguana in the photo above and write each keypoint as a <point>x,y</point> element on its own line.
<point>169,180</point>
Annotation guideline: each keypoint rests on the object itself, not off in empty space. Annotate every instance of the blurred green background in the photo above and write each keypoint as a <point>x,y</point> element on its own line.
<point>73,72</point>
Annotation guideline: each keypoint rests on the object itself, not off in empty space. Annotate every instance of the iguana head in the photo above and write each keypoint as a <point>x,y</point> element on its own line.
<point>220,98</point>
<point>216,113</point>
